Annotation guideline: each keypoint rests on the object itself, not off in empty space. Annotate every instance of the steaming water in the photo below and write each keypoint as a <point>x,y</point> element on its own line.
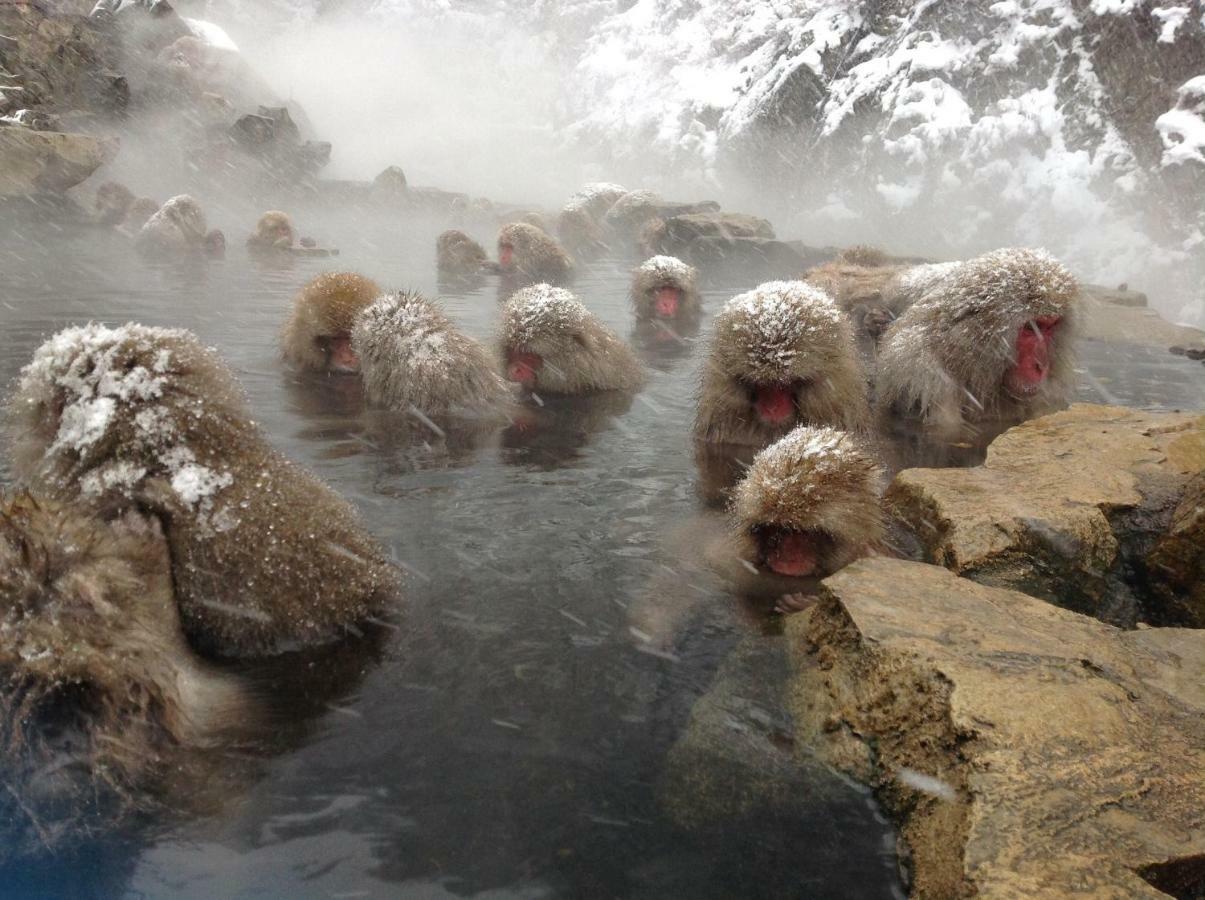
<point>508,739</point>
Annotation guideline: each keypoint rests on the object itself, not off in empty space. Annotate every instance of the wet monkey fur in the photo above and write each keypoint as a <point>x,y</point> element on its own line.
<point>987,341</point>
<point>781,355</point>
<point>550,342</point>
<point>265,557</point>
<point>317,334</point>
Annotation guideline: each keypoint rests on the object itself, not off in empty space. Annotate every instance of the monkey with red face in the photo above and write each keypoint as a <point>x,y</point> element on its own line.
<point>550,342</point>
<point>527,254</point>
<point>317,335</point>
<point>987,344</point>
<point>666,289</point>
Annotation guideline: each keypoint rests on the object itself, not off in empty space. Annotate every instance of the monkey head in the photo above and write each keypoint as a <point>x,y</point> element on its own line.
<point>186,214</point>
<point>215,243</point>
<point>781,355</point>
<point>809,504</point>
<point>414,359</point>
<point>992,335</point>
<point>664,287</point>
<point>113,201</point>
<point>317,335</point>
<point>551,342</point>
<point>519,244</point>
<point>274,229</point>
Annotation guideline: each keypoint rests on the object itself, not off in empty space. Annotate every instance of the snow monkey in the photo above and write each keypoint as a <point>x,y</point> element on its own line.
<point>317,335</point>
<point>101,697</point>
<point>413,359</point>
<point>459,256</point>
<point>781,355</point>
<point>177,229</point>
<point>809,504</point>
<point>579,225</point>
<point>528,252</point>
<point>551,342</point>
<point>987,341</point>
<point>664,287</point>
<point>265,557</point>
<point>113,202</point>
<point>273,231</point>
<point>139,213</point>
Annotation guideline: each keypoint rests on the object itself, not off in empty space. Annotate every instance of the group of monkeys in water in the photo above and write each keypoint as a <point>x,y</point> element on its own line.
<point>156,529</point>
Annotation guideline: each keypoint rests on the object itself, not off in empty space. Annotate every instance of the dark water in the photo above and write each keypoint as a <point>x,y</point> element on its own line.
<point>508,738</point>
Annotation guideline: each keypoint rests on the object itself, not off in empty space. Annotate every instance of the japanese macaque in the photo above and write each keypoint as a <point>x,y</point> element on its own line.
<point>139,214</point>
<point>665,288</point>
<point>631,212</point>
<point>579,226</point>
<point>112,203</point>
<point>317,335</point>
<point>273,231</point>
<point>551,343</point>
<point>988,343</point>
<point>178,230</point>
<point>101,698</point>
<point>781,355</point>
<point>265,557</point>
<point>459,256</point>
<point>414,360</point>
<point>528,253</point>
<point>808,506</point>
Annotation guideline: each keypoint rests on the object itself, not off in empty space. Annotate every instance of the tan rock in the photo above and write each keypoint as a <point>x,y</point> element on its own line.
<point>1064,508</point>
<point>35,162</point>
<point>1025,750</point>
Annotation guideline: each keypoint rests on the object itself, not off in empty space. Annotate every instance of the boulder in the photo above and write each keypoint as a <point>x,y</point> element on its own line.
<point>1119,296</point>
<point>724,226</point>
<point>35,162</point>
<point>1025,750</point>
<point>1069,508</point>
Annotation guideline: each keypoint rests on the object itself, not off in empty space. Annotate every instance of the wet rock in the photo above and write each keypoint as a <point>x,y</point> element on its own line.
<point>36,162</point>
<point>1177,560</point>
<point>56,60</point>
<point>1120,296</point>
<point>1067,508</point>
<point>723,226</point>
<point>1025,750</point>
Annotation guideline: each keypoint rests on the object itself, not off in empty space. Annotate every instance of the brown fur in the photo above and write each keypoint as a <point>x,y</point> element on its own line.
<point>580,353</point>
<point>813,480</point>
<point>273,231</point>
<point>177,229</point>
<point>264,556</point>
<point>415,360</point>
<point>943,361</point>
<point>579,225</point>
<point>113,201</point>
<point>665,271</point>
<point>782,332</point>
<point>326,307</point>
<point>457,254</point>
<point>139,213</point>
<point>537,257</point>
<point>94,672</point>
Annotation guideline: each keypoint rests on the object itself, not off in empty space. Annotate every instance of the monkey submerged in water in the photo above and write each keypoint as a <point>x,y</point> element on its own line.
<point>987,342</point>
<point>459,256</point>
<point>665,288</point>
<point>274,233</point>
<point>179,230</point>
<point>527,253</point>
<point>101,698</point>
<point>551,342</point>
<point>317,334</point>
<point>781,355</point>
<point>265,557</point>
<point>413,359</point>
<point>580,223</point>
<point>809,504</point>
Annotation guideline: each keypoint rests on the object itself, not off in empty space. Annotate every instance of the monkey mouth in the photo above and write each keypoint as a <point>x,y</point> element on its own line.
<point>774,403</point>
<point>793,553</point>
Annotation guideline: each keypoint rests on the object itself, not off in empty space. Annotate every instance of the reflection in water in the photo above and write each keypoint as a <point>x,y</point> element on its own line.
<point>505,733</point>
